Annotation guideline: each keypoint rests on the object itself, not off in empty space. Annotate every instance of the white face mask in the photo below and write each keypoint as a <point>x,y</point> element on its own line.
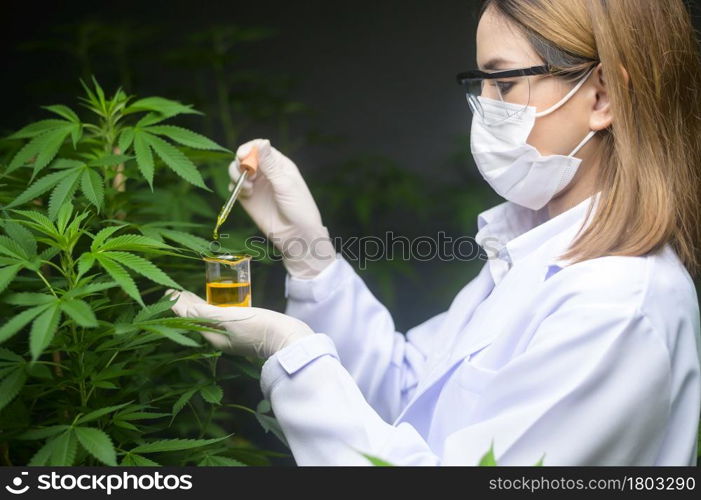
<point>514,168</point>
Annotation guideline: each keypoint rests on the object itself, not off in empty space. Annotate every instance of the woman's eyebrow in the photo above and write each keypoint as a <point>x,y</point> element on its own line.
<point>496,63</point>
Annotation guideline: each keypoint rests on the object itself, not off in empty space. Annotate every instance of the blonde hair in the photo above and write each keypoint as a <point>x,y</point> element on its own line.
<point>651,154</point>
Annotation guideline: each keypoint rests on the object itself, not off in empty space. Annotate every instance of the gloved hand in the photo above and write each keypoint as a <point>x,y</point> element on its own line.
<point>253,331</point>
<point>279,202</point>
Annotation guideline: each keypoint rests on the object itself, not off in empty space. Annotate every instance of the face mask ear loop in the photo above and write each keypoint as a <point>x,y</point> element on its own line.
<point>567,96</point>
<point>584,141</point>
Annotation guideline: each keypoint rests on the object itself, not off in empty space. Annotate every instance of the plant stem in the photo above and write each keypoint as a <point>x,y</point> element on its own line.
<point>56,356</point>
<point>46,283</point>
<point>240,407</point>
<point>203,428</point>
<point>194,412</point>
<point>106,366</point>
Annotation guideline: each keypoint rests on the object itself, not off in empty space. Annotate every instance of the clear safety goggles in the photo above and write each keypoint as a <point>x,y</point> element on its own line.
<point>508,92</point>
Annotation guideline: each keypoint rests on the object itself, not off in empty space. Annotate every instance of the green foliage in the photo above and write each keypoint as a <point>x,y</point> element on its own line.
<point>377,462</point>
<point>489,460</point>
<point>94,367</point>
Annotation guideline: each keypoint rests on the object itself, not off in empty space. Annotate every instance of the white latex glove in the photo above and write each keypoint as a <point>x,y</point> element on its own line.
<point>253,331</point>
<point>279,202</point>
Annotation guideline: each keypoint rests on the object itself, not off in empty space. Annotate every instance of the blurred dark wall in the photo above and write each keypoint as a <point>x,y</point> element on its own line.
<point>379,73</point>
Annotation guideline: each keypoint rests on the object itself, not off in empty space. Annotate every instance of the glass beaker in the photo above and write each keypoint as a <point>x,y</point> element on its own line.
<point>228,280</point>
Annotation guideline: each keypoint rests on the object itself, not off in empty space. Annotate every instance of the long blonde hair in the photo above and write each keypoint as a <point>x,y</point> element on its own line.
<point>650,176</point>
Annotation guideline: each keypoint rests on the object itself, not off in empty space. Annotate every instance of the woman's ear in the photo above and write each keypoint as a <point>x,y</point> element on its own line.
<point>601,116</point>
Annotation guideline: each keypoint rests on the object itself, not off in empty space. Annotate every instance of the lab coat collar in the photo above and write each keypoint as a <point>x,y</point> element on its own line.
<point>511,232</point>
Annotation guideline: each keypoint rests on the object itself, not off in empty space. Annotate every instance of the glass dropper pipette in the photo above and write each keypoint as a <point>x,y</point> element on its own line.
<point>248,166</point>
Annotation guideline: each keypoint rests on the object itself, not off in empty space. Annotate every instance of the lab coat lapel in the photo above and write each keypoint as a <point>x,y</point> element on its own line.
<point>449,337</point>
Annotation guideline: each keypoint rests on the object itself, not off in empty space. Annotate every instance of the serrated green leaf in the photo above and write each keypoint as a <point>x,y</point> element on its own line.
<point>43,455</point>
<point>100,93</point>
<point>120,275</point>
<point>63,193</point>
<point>182,401</point>
<point>144,158</point>
<point>130,242</point>
<point>51,142</point>
<point>27,152</point>
<point>7,274</point>
<point>109,160</point>
<point>263,406</point>
<point>64,450</point>
<point>217,461</point>
<point>376,461</point>
<point>186,137</point>
<point>103,384</point>
<point>11,248</point>
<point>97,443</point>
<point>154,309</point>
<point>39,187</point>
<point>160,105</point>
<point>37,370</point>
<point>187,240</point>
<point>212,394</point>
<point>76,134</point>
<point>102,235</point>
<point>141,416</point>
<point>172,334</point>
<point>138,460</point>
<point>95,414</point>
<point>36,128</point>
<point>9,355</point>
<point>49,253</point>
<point>80,312</point>
<point>90,289</point>
<point>43,330</point>
<point>6,370</point>
<point>150,119</point>
<point>186,324</point>
<point>270,424</point>
<point>125,425</point>
<point>175,445</point>
<point>16,323</point>
<point>64,215</point>
<point>22,236</point>
<point>85,262</point>
<point>63,163</point>
<point>93,188</point>
<point>11,385</point>
<point>113,371</point>
<point>176,160</point>
<point>29,298</point>
<point>91,98</point>
<point>39,221</point>
<point>488,458</point>
<point>143,267</point>
<point>63,111</point>
<point>126,137</point>
<point>42,433</point>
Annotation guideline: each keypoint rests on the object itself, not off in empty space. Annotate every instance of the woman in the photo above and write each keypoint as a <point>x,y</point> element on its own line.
<point>578,341</point>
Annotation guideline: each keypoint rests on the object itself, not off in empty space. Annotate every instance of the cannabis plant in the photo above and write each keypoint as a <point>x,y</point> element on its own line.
<point>94,367</point>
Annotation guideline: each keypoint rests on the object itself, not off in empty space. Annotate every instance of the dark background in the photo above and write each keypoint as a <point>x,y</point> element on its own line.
<point>374,83</point>
<point>360,95</point>
<point>379,73</point>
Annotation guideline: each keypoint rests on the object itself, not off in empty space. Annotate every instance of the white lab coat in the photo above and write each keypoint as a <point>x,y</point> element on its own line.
<point>594,363</point>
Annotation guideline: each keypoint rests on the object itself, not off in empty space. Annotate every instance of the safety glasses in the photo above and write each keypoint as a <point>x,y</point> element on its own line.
<point>499,95</point>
